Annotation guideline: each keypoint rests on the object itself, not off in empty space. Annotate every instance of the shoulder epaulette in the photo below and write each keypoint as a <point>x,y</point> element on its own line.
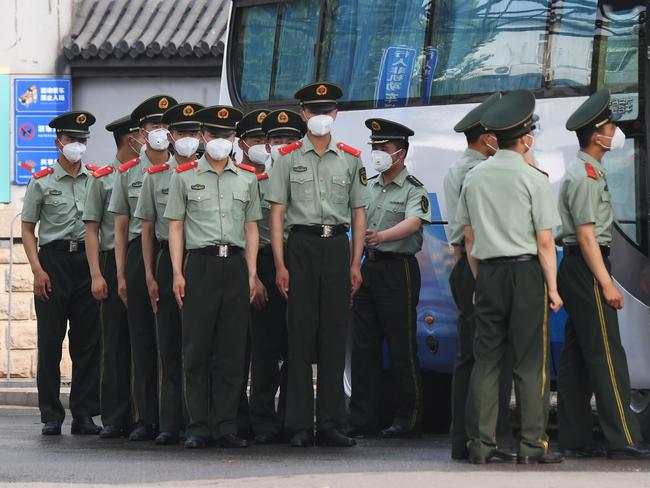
<point>185,166</point>
<point>106,170</point>
<point>157,169</point>
<point>414,180</point>
<point>43,172</point>
<point>92,167</point>
<point>262,176</point>
<point>129,164</point>
<point>591,171</point>
<point>245,167</point>
<point>541,171</point>
<point>289,148</point>
<point>349,149</point>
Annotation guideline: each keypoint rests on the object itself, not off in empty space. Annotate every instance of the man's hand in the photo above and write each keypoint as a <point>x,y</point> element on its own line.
<point>154,295</point>
<point>121,290</point>
<point>373,239</point>
<point>42,285</point>
<point>261,295</point>
<point>252,288</point>
<point>99,288</point>
<point>179,289</point>
<point>613,296</point>
<point>355,278</point>
<point>555,302</point>
<point>282,281</point>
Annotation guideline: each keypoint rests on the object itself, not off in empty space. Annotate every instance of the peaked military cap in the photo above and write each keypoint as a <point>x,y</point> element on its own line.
<point>593,113</point>
<point>511,116</point>
<point>182,116</point>
<point>123,125</point>
<point>219,119</point>
<point>321,96</point>
<point>75,124</point>
<point>152,109</point>
<point>284,123</point>
<point>386,130</point>
<point>471,123</point>
<point>251,124</point>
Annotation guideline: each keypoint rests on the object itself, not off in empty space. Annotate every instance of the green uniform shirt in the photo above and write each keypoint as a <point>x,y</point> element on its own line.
<point>391,204</point>
<point>98,197</point>
<point>264,223</point>
<point>126,192</point>
<point>506,202</point>
<point>585,200</point>
<point>318,190</point>
<point>214,207</point>
<point>153,199</point>
<point>57,201</point>
<point>453,183</point>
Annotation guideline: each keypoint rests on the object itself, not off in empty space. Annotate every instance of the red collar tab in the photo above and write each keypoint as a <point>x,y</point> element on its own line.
<point>591,171</point>
<point>92,167</point>
<point>185,166</point>
<point>157,169</point>
<point>349,149</point>
<point>43,172</point>
<point>106,170</point>
<point>246,167</point>
<point>262,176</point>
<point>289,148</point>
<point>129,164</point>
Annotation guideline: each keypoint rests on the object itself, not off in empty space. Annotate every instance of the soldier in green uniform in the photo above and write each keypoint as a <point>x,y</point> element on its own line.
<point>132,285</point>
<point>384,308</point>
<point>55,198</point>
<point>321,186</point>
<point>508,212</point>
<point>184,132</point>
<point>213,207</point>
<point>480,146</point>
<point>115,381</point>
<point>593,360</point>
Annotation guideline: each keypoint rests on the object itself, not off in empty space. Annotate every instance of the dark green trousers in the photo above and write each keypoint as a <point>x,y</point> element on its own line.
<point>70,300</point>
<point>269,353</point>
<point>318,315</point>
<point>142,331</point>
<point>461,282</point>
<point>115,381</point>
<point>593,361</point>
<point>511,311</point>
<point>385,308</point>
<point>215,326</point>
<point>169,338</point>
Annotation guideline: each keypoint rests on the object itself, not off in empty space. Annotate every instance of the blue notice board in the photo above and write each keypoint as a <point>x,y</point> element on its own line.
<point>394,81</point>
<point>28,162</point>
<point>42,95</point>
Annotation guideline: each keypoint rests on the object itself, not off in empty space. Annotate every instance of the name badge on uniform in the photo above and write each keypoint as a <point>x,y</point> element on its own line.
<point>397,203</point>
<point>300,169</point>
<point>165,191</point>
<point>198,187</point>
<point>56,192</point>
<point>136,184</point>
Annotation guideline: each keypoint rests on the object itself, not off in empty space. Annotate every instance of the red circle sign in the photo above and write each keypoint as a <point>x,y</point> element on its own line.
<point>26,131</point>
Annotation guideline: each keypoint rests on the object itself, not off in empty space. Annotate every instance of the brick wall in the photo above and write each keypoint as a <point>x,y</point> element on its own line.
<point>23,333</point>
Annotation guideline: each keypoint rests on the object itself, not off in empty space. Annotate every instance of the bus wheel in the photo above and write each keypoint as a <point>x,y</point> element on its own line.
<point>640,405</point>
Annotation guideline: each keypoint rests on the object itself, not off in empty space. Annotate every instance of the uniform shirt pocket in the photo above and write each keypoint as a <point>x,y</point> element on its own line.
<point>302,185</point>
<point>200,204</point>
<point>239,202</point>
<point>340,188</point>
<point>393,216</point>
<point>57,209</point>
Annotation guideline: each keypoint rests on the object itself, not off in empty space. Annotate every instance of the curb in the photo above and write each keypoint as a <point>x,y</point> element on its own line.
<point>27,397</point>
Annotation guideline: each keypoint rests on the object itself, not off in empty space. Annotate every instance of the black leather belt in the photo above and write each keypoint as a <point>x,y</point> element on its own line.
<point>66,246</point>
<point>574,250</point>
<point>324,230</point>
<point>218,250</point>
<point>510,259</point>
<point>375,255</point>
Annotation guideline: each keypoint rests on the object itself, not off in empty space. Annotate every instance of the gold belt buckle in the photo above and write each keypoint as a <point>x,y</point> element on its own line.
<point>73,246</point>
<point>328,231</point>
<point>223,250</point>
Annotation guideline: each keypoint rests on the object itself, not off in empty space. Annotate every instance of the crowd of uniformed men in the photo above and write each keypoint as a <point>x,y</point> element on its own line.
<point>181,272</point>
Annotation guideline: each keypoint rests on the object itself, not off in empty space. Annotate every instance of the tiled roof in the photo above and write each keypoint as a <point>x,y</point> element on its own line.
<point>147,28</point>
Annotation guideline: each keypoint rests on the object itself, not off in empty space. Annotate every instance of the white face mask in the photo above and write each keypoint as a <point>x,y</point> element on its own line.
<point>320,125</point>
<point>383,160</point>
<point>218,149</point>
<point>532,141</point>
<point>141,145</point>
<point>618,140</point>
<point>74,151</point>
<point>186,146</point>
<point>257,153</point>
<point>157,139</point>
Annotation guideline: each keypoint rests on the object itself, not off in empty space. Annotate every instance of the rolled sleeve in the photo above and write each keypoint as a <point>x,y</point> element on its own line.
<point>176,203</point>
<point>32,204</point>
<point>253,208</point>
<point>279,189</point>
<point>119,203</point>
<point>146,207</point>
<point>545,213</point>
<point>94,204</point>
<point>359,190</point>
<point>418,205</point>
<point>583,201</point>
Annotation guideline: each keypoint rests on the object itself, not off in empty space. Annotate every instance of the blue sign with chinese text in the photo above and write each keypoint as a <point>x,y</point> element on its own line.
<point>394,81</point>
<point>28,162</point>
<point>42,95</point>
<point>32,131</point>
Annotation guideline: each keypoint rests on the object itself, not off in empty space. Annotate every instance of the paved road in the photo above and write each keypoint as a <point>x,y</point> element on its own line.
<point>29,459</point>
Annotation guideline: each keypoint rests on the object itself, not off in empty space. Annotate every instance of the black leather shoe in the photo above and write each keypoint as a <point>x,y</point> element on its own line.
<point>398,432</point>
<point>53,427</point>
<point>302,439</point>
<point>110,432</point>
<point>141,432</point>
<point>584,452</point>
<point>167,439</point>
<point>267,438</point>
<point>231,441</point>
<point>334,438</point>
<point>361,433</point>
<point>459,453</point>
<point>503,456</point>
<point>548,458</point>
<point>84,426</point>
<point>638,450</point>
<point>195,442</point>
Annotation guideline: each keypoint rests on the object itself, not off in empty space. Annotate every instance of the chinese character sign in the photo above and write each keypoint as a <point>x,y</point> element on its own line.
<point>394,81</point>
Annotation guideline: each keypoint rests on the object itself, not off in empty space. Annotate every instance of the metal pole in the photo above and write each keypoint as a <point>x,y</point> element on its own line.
<point>10,283</point>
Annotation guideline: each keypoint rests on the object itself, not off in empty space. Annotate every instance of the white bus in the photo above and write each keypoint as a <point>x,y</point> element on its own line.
<point>426,63</point>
